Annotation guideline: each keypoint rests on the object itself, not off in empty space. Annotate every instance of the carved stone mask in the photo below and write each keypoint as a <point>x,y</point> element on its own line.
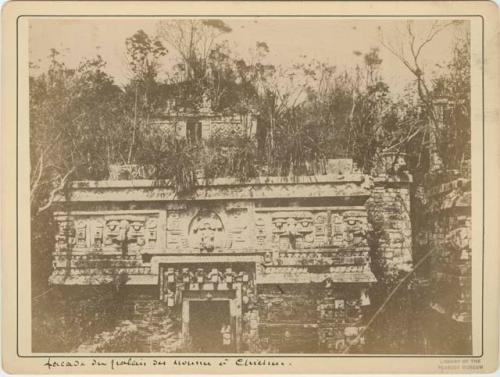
<point>206,230</point>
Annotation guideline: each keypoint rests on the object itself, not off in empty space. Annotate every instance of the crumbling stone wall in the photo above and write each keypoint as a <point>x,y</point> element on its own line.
<point>142,324</point>
<point>250,331</point>
<point>389,213</point>
<point>391,250</point>
<point>340,318</point>
<point>288,317</point>
<point>389,216</point>
<point>448,234</point>
<point>311,317</point>
<point>212,124</point>
<point>158,326</point>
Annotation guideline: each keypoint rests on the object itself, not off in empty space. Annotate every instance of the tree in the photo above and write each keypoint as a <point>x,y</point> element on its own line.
<point>453,89</point>
<point>72,117</point>
<point>351,112</point>
<point>76,131</point>
<point>143,53</point>
<point>50,105</point>
<point>193,40</point>
<point>408,50</point>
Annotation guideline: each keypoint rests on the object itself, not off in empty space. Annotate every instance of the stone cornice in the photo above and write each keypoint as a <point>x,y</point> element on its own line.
<point>355,186</point>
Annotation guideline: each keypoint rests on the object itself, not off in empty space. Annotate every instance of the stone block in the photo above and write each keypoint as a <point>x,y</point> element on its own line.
<point>339,166</point>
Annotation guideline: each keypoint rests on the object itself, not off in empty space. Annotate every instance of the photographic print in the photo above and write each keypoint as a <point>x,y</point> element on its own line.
<point>242,185</point>
<point>226,185</point>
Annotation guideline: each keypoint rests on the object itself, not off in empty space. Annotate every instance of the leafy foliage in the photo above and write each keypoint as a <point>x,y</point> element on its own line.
<point>453,86</point>
<point>64,317</point>
<point>75,121</point>
<point>230,156</point>
<point>123,338</point>
<point>172,158</point>
<point>183,163</point>
<point>81,122</point>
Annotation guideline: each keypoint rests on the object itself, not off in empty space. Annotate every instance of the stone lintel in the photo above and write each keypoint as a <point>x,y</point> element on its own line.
<point>200,258</point>
<point>222,253</point>
<point>103,279</point>
<point>311,277</point>
<point>274,278</point>
<point>356,194</point>
<point>226,181</point>
<point>356,186</point>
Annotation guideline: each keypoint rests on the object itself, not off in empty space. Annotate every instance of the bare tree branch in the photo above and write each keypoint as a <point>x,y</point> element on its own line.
<point>423,91</point>
<point>56,190</point>
<point>39,170</point>
<point>389,298</point>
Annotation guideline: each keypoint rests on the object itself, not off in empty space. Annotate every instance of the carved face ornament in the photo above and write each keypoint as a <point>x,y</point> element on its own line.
<point>206,226</point>
<point>207,236</point>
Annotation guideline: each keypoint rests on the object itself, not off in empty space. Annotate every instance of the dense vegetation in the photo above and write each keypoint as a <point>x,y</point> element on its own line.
<point>81,121</point>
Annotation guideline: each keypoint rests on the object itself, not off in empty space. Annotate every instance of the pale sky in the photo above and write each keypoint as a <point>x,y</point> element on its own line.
<point>289,40</point>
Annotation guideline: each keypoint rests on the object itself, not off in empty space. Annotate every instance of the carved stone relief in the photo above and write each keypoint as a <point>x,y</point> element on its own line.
<point>175,234</point>
<point>237,228</point>
<point>174,280</point>
<point>320,229</point>
<point>310,229</point>
<point>206,231</point>
<point>292,229</point>
<point>125,230</point>
<point>260,231</point>
<point>97,237</point>
<point>355,227</point>
<point>107,232</point>
<point>349,228</point>
<point>66,235</point>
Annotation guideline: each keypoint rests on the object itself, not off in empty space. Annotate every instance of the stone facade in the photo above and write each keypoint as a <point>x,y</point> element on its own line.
<point>389,210</point>
<point>267,265</point>
<point>448,236</point>
<point>206,123</point>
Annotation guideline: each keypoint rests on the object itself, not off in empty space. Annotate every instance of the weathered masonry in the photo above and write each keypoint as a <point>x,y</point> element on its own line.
<point>271,264</point>
<point>449,237</point>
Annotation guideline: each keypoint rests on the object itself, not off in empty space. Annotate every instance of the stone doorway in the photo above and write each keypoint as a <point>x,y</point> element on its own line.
<point>209,322</point>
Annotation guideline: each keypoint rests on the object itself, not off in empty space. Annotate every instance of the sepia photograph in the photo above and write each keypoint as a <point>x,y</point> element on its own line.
<point>250,185</point>
<point>234,187</point>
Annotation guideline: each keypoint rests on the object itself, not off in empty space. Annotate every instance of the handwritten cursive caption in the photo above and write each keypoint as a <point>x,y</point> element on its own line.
<point>53,364</point>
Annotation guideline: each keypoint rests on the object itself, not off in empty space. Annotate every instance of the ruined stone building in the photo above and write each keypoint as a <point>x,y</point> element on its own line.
<point>448,237</point>
<point>204,123</point>
<point>272,264</point>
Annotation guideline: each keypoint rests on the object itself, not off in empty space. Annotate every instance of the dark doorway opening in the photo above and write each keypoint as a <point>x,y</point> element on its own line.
<point>209,325</point>
<point>193,131</point>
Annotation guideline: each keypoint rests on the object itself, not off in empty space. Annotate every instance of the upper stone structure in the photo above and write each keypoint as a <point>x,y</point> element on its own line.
<point>197,126</point>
